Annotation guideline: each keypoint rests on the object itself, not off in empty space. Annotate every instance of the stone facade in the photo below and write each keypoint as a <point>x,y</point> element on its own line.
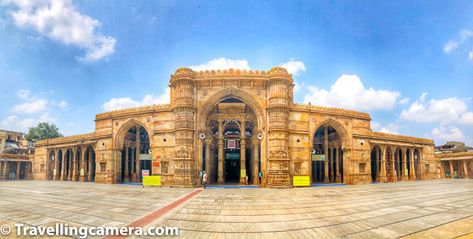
<point>239,126</point>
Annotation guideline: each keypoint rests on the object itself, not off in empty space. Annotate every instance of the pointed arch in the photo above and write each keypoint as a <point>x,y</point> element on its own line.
<point>123,130</point>
<point>231,92</point>
<point>341,130</point>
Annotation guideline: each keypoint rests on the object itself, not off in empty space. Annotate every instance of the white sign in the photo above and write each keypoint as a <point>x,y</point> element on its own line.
<point>145,156</point>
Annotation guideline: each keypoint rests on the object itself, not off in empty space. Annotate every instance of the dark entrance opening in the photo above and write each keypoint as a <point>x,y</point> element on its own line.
<point>232,166</point>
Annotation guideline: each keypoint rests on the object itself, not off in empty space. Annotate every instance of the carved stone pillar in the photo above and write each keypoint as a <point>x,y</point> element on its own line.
<point>18,166</point>
<point>393,175</point>
<point>82,164</point>
<point>451,169</point>
<point>70,166</point>
<point>6,170</point>
<point>63,162</point>
<point>405,176</point>
<point>243,152</point>
<point>279,98</point>
<point>74,165</point>
<point>208,141</point>
<point>382,176</point>
<point>131,176</point>
<point>220,151</point>
<point>332,164</point>
<point>183,104</point>
<point>90,171</point>
<point>412,172</point>
<point>28,170</point>
<point>255,160</point>
<point>326,179</point>
<point>137,156</point>
<point>338,179</point>
<point>377,164</point>
<point>465,169</point>
<point>126,177</point>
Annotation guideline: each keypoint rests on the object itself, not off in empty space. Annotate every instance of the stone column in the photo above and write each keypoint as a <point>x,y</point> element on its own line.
<point>220,151</point>
<point>382,176</point>
<point>412,175</point>
<point>71,164</point>
<point>137,157</point>
<point>393,167</point>
<point>63,168</point>
<point>56,165</point>
<point>126,177</point>
<point>255,160</point>
<point>18,166</point>
<point>326,179</point>
<point>338,179</point>
<point>465,169</point>
<point>332,165</point>
<point>451,169</point>
<point>404,165</point>
<point>90,170</point>
<point>82,165</point>
<point>377,164</point>
<point>242,151</point>
<point>132,159</point>
<point>6,170</point>
<point>208,141</point>
<point>74,165</point>
<point>27,170</point>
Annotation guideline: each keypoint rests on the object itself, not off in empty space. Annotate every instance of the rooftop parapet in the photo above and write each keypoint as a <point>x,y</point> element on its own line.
<point>138,109</point>
<point>67,139</point>
<point>333,110</point>
<point>188,73</point>
<point>397,137</point>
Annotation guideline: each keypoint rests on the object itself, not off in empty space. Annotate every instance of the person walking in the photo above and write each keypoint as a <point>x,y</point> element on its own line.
<point>204,180</point>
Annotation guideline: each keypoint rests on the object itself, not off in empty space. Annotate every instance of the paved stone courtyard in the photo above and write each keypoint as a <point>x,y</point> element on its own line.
<point>422,209</point>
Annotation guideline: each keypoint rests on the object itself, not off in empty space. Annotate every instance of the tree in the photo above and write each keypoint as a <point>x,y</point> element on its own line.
<point>44,130</point>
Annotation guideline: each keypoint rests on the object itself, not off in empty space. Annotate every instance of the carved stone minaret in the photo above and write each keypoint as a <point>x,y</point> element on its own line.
<point>279,85</point>
<point>183,105</point>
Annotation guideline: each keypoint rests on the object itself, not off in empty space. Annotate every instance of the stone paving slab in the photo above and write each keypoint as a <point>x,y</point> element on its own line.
<point>420,209</point>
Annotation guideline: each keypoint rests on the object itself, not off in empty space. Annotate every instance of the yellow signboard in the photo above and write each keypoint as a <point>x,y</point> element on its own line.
<point>300,181</point>
<point>82,172</point>
<point>152,181</point>
<point>242,173</point>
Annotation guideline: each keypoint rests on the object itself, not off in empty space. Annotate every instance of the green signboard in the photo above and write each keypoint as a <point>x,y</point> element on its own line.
<point>318,157</point>
<point>232,156</point>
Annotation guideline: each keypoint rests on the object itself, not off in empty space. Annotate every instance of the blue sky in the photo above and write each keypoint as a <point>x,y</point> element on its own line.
<point>408,63</point>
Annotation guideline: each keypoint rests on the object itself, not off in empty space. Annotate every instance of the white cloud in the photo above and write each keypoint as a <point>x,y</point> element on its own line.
<point>23,94</point>
<point>17,123</point>
<point>60,21</point>
<point>31,106</point>
<point>450,110</point>
<point>391,128</point>
<point>404,100</point>
<point>128,102</point>
<point>463,36</point>
<point>349,92</point>
<point>447,133</point>
<point>222,63</point>
<point>62,104</point>
<point>293,67</point>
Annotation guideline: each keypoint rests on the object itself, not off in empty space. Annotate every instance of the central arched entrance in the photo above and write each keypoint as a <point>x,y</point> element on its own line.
<point>327,156</point>
<point>231,154</point>
<point>135,161</point>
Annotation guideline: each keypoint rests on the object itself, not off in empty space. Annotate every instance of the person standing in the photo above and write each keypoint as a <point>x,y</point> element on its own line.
<point>204,180</point>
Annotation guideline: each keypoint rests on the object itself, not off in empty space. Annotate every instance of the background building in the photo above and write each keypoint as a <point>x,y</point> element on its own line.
<point>16,155</point>
<point>238,125</point>
<point>455,160</point>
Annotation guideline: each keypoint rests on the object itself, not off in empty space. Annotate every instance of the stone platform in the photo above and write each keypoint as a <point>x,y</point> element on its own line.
<point>422,209</point>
